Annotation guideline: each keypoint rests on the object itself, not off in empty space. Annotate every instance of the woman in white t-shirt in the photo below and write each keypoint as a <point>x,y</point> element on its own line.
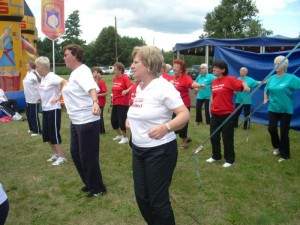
<point>31,83</point>
<point>4,206</point>
<point>81,101</point>
<point>154,145</point>
<point>50,89</point>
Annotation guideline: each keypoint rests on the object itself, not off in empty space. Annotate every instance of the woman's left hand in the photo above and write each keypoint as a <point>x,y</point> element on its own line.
<point>96,109</point>
<point>158,132</point>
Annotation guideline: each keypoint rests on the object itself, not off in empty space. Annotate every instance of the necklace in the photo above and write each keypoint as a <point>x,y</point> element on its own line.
<point>177,78</point>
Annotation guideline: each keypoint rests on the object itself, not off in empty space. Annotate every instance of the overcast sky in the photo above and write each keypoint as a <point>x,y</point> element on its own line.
<point>167,22</point>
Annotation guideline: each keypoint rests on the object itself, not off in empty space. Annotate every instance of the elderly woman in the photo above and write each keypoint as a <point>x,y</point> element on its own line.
<point>120,101</point>
<point>223,88</point>
<point>279,93</point>
<point>31,82</point>
<point>81,100</point>
<point>154,146</point>
<point>204,95</point>
<point>183,83</point>
<point>49,90</point>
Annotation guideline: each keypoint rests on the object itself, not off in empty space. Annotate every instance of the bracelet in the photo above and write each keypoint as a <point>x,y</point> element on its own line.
<point>96,101</point>
<point>168,127</point>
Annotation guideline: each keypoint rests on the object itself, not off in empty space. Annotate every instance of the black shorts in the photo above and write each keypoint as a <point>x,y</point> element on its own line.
<point>119,116</point>
<point>51,126</point>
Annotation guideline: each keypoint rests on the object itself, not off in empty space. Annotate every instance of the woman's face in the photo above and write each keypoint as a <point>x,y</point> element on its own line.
<point>96,75</point>
<point>28,67</point>
<point>280,68</point>
<point>69,59</point>
<point>177,69</point>
<point>138,68</point>
<point>218,72</point>
<point>117,72</point>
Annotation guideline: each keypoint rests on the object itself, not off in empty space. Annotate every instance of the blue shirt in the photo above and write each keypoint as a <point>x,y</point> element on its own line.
<point>280,92</point>
<point>206,79</point>
<point>240,96</point>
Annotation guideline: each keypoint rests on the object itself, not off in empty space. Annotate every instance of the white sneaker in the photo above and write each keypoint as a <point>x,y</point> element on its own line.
<point>59,161</point>
<point>281,160</point>
<point>210,160</point>
<point>276,151</point>
<point>123,140</point>
<point>117,138</point>
<point>34,135</point>
<point>53,158</point>
<point>29,131</point>
<point>226,165</point>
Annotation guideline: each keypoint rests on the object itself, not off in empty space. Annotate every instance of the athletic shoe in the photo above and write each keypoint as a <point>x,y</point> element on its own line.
<point>53,158</point>
<point>90,195</point>
<point>276,152</point>
<point>226,165</point>
<point>17,116</point>
<point>123,140</point>
<point>29,132</point>
<point>117,138</point>
<point>210,160</point>
<point>59,161</point>
<point>281,160</point>
<point>34,135</point>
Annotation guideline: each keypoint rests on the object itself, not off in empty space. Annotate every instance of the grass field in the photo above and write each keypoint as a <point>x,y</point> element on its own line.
<point>257,190</point>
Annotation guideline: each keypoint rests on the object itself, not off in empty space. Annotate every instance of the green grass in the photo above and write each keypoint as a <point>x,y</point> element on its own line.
<point>257,190</point>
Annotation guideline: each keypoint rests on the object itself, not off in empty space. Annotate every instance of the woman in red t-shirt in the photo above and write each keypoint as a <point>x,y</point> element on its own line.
<point>183,83</point>
<point>120,102</point>
<point>97,73</point>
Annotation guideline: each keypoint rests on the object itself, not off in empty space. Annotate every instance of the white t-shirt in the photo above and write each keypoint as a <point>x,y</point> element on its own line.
<point>31,85</point>
<point>3,196</point>
<point>76,95</point>
<point>49,89</point>
<point>152,106</point>
<point>2,94</point>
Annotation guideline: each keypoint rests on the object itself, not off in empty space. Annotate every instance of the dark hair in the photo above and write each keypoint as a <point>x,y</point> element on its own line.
<point>120,66</point>
<point>222,65</point>
<point>181,63</point>
<point>76,51</point>
<point>99,70</point>
<point>31,64</point>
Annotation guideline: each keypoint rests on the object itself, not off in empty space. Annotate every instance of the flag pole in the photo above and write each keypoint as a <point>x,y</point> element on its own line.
<point>53,56</point>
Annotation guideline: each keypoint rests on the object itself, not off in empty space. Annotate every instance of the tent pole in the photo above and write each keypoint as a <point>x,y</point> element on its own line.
<point>206,54</point>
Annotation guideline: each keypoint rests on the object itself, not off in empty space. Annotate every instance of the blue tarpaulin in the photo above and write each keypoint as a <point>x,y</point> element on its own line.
<point>259,66</point>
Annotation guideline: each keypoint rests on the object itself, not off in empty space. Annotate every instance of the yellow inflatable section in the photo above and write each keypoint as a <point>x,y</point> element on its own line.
<point>18,37</point>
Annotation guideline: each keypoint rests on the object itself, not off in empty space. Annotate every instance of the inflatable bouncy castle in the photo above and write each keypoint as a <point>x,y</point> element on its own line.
<point>18,36</point>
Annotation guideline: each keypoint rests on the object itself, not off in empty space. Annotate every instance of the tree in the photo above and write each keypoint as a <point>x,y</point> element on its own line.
<point>233,19</point>
<point>72,30</point>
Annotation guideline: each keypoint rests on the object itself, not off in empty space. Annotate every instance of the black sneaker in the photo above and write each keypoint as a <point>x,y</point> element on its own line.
<point>90,195</point>
<point>85,189</point>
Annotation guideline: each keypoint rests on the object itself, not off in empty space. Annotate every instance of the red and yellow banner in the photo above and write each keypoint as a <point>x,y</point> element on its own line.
<point>53,19</point>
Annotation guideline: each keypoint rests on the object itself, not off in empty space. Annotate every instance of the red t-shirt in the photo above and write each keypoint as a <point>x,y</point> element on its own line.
<point>182,84</point>
<point>222,93</point>
<point>120,84</point>
<point>103,89</point>
<point>132,93</point>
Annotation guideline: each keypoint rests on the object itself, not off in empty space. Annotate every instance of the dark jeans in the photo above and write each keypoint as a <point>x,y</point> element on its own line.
<point>247,110</point>
<point>4,209</point>
<point>152,174</point>
<point>12,103</point>
<point>199,105</point>
<point>227,135</point>
<point>32,114</point>
<point>282,143</point>
<point>85,154</point>
<point>102,127</point>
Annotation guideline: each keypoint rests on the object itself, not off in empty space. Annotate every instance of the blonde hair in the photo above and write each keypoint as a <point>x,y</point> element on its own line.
<point>151,58</point>
<point>44,61</point>
<point>285,64</point>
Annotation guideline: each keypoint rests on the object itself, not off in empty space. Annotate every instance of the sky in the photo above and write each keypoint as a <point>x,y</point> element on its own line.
<point>166,22</point>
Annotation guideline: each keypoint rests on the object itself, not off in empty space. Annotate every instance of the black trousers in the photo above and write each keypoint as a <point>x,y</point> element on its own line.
<point>7,110</point>
<point>32,114</point>
<point>199,104</point>
<point>84,149</point>
<point>247,111</point>
<point>4,209</point>
<point>282,143</point>
<point>227,135</point>
<point>102,127</point>
<point>152,174</point>
<point>12,103</point>
<point>183,132</point>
